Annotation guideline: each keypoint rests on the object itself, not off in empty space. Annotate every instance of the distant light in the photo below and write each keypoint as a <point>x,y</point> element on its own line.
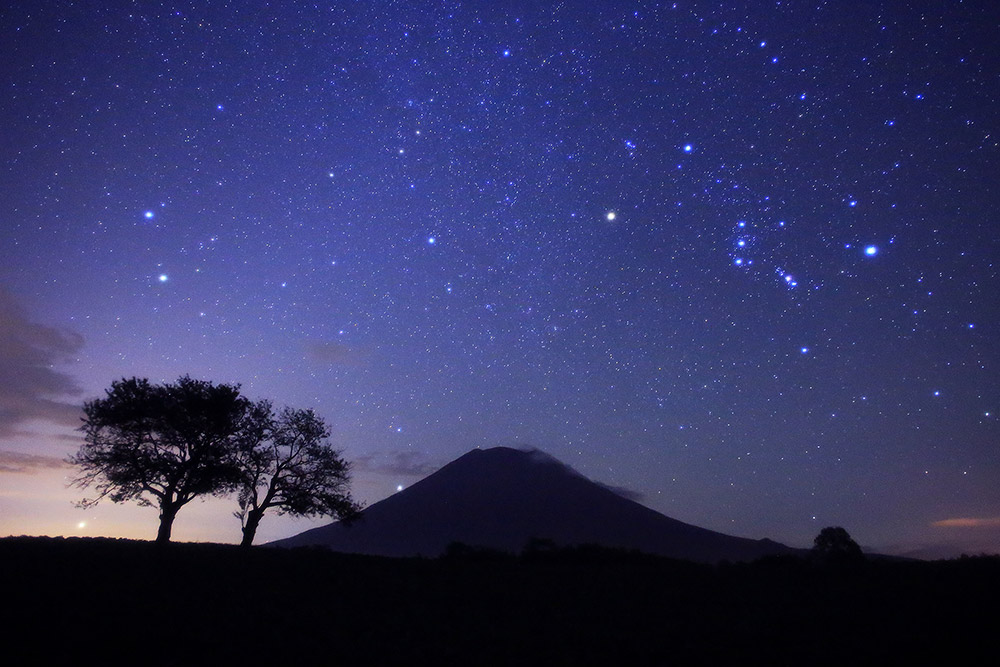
<point>738,262</point>
<point>763,44</point>
<point>804,350</point>
<point>506,53</point>
<point>741,243</point>
<point>871,250</point>
<point>611,215</point>
<point>852,203</point>
<point>163,278</point>
<point>81,525</point>
<point>937,393</point>
<point>218,107</point>
<point>688,148</point>
<point>399,487</point>
<point>431,240</point>
<point>148,215</point>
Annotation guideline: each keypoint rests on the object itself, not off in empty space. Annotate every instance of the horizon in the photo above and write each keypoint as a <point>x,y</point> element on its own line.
<point>738,261</point>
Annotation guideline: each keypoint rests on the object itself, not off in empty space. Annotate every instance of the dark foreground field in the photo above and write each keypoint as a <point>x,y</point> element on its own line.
<point>92,601</point>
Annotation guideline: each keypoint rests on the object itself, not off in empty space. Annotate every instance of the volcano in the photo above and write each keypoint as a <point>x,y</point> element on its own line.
<point>500,498</point>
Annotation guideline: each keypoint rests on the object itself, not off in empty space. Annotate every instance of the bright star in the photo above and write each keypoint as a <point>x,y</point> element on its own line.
<point>431,240</point>
<point>688,148</point>
<point>148,215</point>
<point>804,350</point>
<point>871,250</point>
<point>610,216</point>
<point>163,278</point>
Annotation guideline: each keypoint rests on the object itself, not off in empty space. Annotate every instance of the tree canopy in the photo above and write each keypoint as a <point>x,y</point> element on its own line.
<point>163,444</point>
<point>834,545</point>
<point>290,467</point>
<point>166,444</point>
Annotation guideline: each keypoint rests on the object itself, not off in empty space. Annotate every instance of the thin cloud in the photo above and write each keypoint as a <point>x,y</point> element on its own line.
<point>18,462</point>
<point>989,522</point>
<point>624,492</point>
<point>332,352</point>
<point>401,464</point>
<point>628,494</point>
<point>30,388</point>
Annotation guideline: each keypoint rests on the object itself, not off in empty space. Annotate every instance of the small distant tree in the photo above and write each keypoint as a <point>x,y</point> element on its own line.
<point>834,545</point>
<point>161,445</point>
<point>291,469</point>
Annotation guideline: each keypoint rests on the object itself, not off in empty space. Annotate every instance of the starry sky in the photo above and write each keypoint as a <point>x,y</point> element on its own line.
<point>739,261</point>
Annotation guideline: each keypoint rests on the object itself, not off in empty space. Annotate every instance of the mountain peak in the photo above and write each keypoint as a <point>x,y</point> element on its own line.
<point>502,497</point>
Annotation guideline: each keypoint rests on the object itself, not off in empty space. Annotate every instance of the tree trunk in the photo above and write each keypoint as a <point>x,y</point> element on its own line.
<point>250,527</point>
<point>167,515</point>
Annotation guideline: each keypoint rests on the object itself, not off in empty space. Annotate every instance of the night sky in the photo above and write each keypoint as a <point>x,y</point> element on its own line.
<point>741,262</point>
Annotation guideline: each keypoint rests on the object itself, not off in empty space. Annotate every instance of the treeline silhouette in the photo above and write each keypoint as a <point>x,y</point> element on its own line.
<point>103,601</point>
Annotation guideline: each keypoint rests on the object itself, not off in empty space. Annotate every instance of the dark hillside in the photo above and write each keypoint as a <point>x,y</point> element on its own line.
<point>500,498</point>
<point>85,601</point>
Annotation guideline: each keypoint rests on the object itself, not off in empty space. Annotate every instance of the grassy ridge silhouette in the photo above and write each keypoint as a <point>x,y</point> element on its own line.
<point>102,601</point>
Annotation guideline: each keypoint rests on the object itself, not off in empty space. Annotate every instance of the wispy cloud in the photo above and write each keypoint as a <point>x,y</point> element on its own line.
<point>989,522</point>
<point>30,388</point>
<point>624,492</point>
<point>402,464</point>
<point>18,462</point>
<point>333,352</point>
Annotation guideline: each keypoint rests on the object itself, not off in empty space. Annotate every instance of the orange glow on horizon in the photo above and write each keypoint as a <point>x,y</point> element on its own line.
<point>992,522</point>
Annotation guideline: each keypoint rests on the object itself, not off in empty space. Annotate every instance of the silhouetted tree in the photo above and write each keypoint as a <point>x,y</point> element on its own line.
<point>161,444</point>
<point>834,545</point>
<point>289,467</point>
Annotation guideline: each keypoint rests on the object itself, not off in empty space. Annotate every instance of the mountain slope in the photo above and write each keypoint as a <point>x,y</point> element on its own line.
<point>501,497</point>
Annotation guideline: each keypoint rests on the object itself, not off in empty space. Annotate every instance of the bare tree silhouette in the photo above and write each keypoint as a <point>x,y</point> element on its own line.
<point>289,467</point>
